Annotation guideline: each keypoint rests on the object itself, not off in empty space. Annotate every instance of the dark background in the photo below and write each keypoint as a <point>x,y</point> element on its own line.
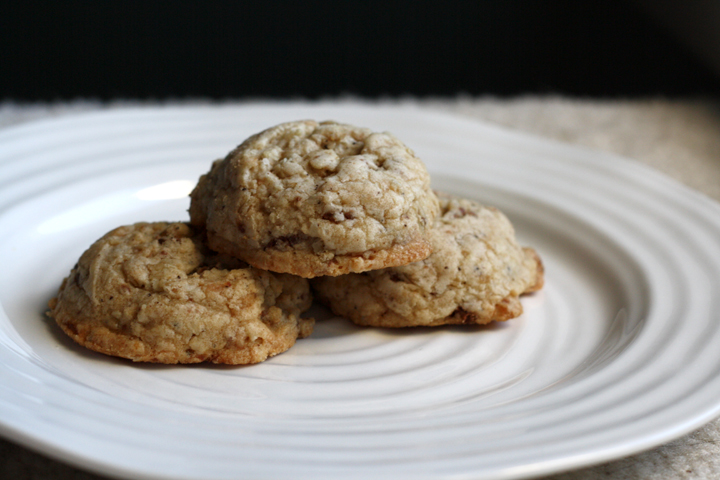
<point>314,48</point>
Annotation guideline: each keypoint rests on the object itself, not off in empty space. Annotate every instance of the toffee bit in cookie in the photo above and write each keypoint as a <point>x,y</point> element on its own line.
<point>475,275</point>
<point>153,292</point>
<point>339,190</point>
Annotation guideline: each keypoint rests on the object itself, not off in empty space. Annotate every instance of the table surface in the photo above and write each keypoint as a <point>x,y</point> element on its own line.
<point>678,137</point>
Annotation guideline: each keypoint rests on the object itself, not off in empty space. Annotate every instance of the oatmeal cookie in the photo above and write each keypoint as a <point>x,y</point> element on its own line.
<point>475,275</point>
<point>313,199</point>
<point>152,292</point>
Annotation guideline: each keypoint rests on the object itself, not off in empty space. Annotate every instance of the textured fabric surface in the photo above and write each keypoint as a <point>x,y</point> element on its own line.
<point>678,137</point>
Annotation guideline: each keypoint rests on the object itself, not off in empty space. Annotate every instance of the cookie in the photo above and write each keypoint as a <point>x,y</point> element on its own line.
<point>475,275</point>
<point>152,292</point>
<point>314,199</point>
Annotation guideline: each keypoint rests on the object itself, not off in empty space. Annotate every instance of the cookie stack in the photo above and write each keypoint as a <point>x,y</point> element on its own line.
<point>344,209</point>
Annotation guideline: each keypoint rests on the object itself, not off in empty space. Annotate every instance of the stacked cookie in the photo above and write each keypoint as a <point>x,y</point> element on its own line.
<point>350,209</point>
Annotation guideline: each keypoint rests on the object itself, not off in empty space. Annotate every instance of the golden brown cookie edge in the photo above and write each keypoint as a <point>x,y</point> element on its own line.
<point>310,265</point>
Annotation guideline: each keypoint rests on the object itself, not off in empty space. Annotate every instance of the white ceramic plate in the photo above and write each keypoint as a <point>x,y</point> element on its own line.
<point>618,353</point>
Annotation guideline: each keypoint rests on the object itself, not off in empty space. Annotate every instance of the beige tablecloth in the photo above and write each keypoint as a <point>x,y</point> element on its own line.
<point>678,137</point>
